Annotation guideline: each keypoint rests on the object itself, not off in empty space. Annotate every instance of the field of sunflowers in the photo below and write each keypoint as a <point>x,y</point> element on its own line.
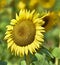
<point>29,32</point>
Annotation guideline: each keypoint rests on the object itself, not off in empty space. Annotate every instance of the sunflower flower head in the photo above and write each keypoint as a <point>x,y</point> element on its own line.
<point>47,3</point>
<point>50,19</point>
<point>24,34</point>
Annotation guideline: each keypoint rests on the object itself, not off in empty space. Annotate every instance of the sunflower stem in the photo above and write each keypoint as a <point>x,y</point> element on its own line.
<point>57,60</point>
<point>28,60</point>
<point>23,61</point>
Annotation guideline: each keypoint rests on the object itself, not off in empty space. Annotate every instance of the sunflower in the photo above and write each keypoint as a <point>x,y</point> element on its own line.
<point>24,34</point>
<point>50,19</point>
<point>21,5</point>
<point>33,3</point>
<point>58,13</point>
<point>2,4</point>
<point>47,3</point>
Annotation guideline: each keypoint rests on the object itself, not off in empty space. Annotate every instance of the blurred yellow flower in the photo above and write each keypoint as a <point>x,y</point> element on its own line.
<point>47,3</point>
<point>50,19</point>
<point>2,4</point>
<point>24,34</point>
<point>33,3</point>
<point>59,13</point>
<point>43,3</point>
<point>21,5</point>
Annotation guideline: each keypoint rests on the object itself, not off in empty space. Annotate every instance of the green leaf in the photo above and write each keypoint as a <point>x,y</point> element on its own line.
<point>57,5</point>
<point>3,63</point>
<point>56,52</point>
<point>44,50</point>
<point>50,63</point>
<point>23,62</point>
<point>39,56</point>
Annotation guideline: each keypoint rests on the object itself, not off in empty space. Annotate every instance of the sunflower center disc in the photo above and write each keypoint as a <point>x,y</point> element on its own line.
<point>24,33</point>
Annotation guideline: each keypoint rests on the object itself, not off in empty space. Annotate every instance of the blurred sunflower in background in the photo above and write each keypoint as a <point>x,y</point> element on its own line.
<point>47,3</point>
<point>59,13</point>
<point>24,34</point>
<point>42,3</point>
<point>33,3</point>
<point>21,5</point>
<point>51,19</point>
<point>2,4</point>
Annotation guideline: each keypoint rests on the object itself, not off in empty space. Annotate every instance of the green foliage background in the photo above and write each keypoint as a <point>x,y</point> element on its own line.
<point>46,56</point>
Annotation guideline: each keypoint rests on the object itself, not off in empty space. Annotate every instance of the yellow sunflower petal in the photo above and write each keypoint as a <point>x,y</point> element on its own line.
<point>13,22</point>
<point>39,27</point>
<point>12,47</point>
<point>8,32</point>
<point>20,51</point>
<point>39,38</point>
<point>39,33</point>
<point>22,14</point>
<point>7,36</point>
<point>37,44</point>
<point>27,15</point>
<point>33,47</point>
<point>35,16</point>
<point>31,14</point>
<point>30,49</point>
<point>10,44</point>
<point>9,40</point>
<point>9,27</point>
<point>17,50</point>
<point>17,17</point>
<point>26,50</point>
